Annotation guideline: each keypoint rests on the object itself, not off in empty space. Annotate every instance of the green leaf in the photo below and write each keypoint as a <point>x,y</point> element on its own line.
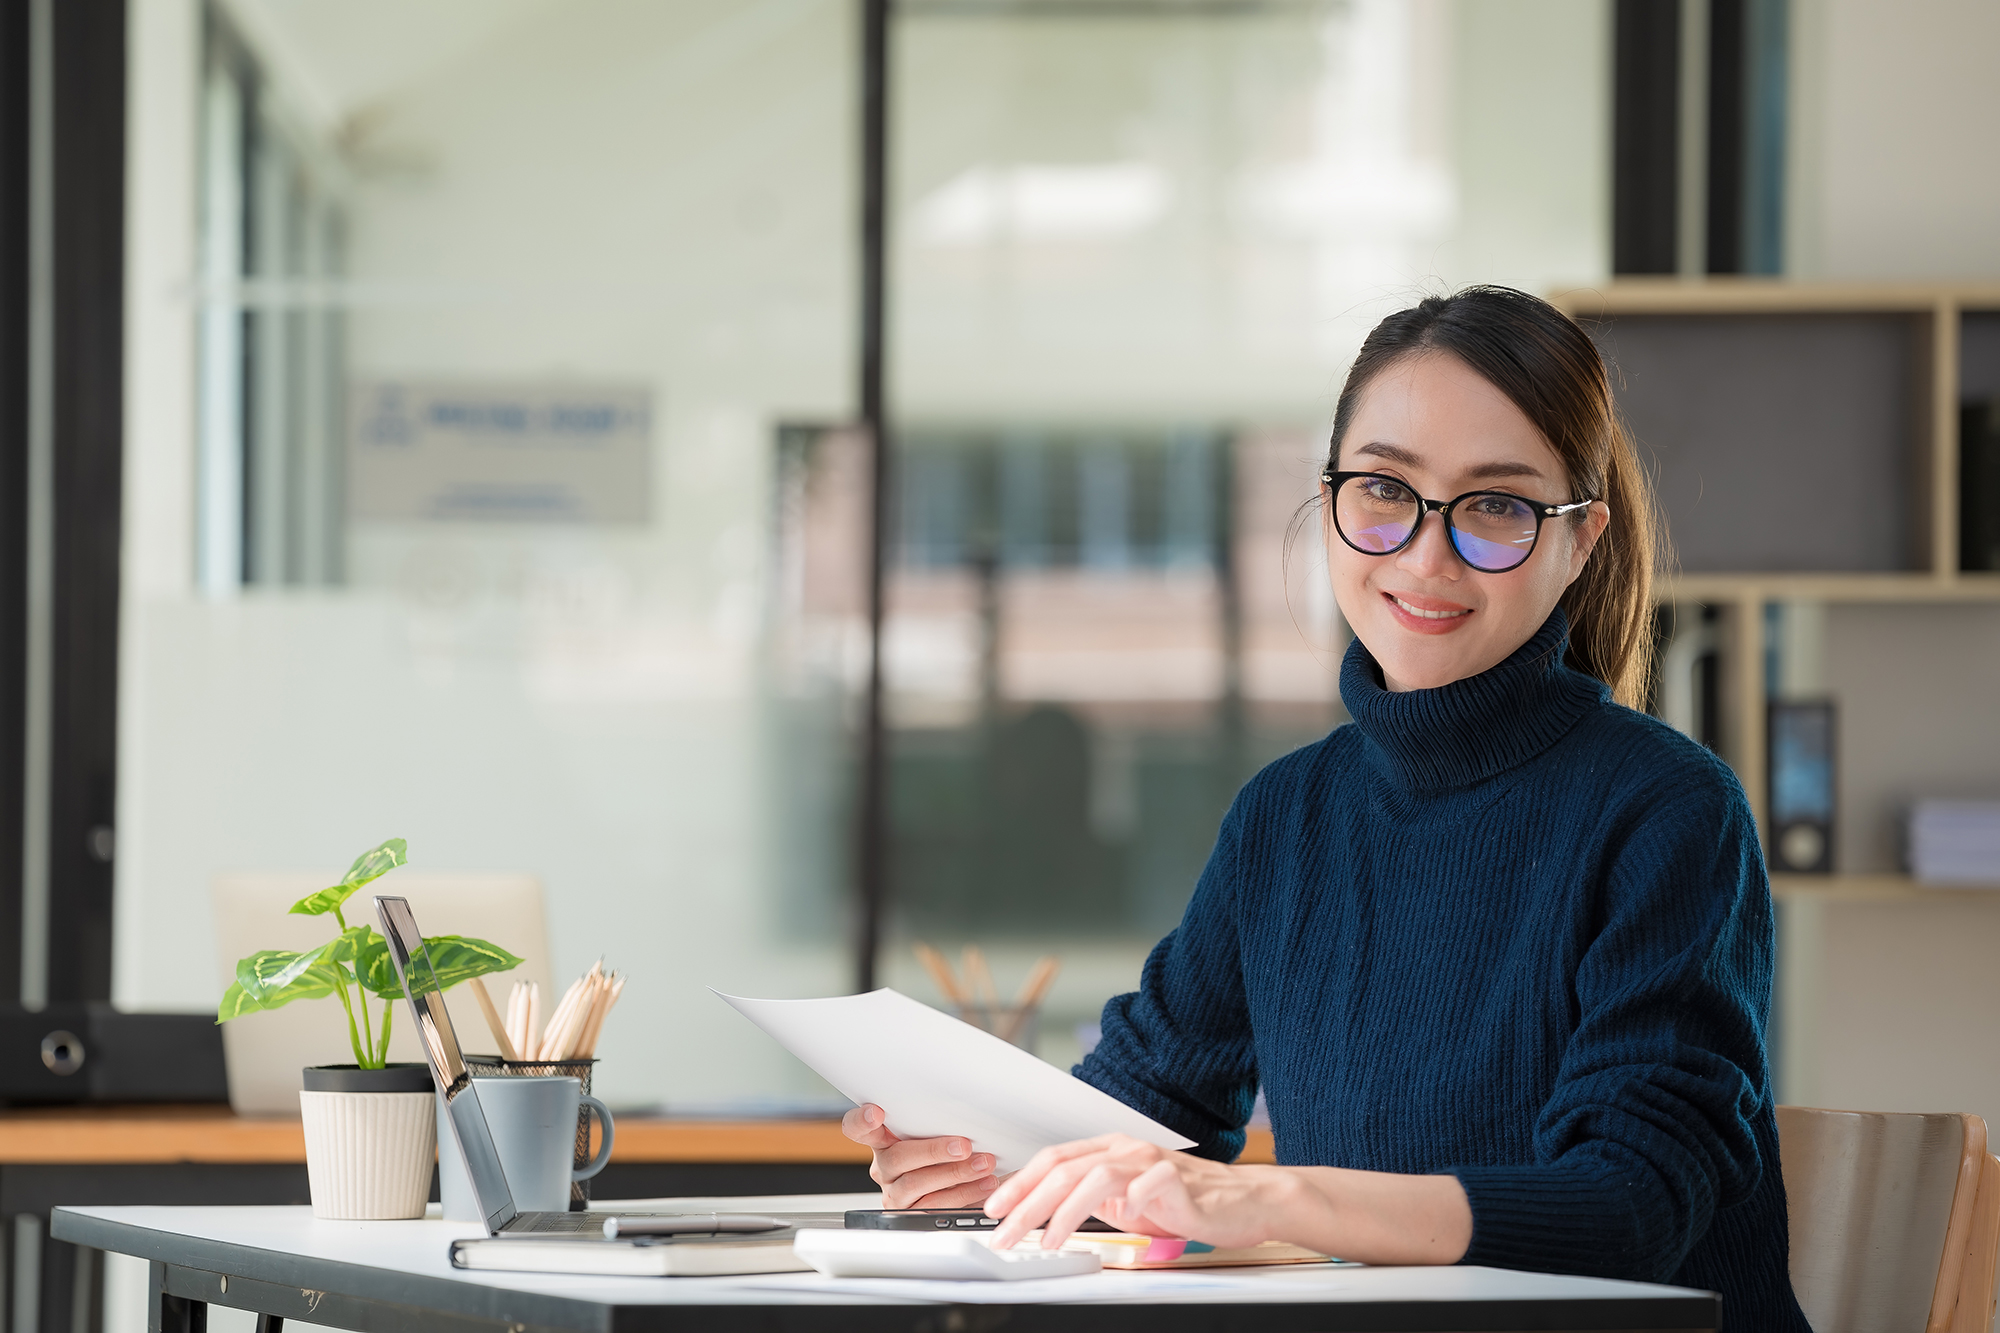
<point>273,978</point>
<point>236,1003</point>
<point>372,968</point>
<point>368,867</point>
<point>350,943</point>
<point>455,957</point>
<point>316,983</point>
<point>268,971</point>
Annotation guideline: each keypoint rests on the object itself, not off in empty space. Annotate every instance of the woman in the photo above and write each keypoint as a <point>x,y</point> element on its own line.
<point>1499,953</point>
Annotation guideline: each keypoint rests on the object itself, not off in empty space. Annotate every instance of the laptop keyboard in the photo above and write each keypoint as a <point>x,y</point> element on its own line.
<point>558,1224</point>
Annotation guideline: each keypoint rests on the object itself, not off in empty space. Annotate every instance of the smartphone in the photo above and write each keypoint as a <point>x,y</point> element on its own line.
<point>935,1219</point>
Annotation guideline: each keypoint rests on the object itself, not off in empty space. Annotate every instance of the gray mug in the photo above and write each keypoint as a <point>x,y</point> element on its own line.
<point>533,1122</point>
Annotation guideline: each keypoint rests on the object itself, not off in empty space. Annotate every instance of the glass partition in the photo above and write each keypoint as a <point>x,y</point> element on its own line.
<point>490,309</point>
<point>1135,246</point>
<point>489,480</point>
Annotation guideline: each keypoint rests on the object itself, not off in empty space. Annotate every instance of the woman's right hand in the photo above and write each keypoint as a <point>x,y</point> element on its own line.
<point>921,1173</point>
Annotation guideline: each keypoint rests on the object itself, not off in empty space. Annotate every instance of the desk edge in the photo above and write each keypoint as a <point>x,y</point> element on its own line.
<point>1685,1309</point>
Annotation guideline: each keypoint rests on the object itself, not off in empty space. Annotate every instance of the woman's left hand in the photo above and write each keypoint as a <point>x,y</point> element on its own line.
<point>1135,1187</point>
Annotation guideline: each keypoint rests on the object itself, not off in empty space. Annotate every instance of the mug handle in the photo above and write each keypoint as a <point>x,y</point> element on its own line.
<point>596,1163</point>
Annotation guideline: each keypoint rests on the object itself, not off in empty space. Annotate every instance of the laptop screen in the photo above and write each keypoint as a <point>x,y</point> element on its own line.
<point>461,1099</point>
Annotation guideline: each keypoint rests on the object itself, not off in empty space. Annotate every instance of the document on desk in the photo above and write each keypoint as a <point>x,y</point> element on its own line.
<point>935,1075</point>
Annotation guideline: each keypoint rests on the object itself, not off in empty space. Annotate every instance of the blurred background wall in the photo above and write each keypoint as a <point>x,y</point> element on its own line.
<point>1133,247</point>
<point>1125,240</point>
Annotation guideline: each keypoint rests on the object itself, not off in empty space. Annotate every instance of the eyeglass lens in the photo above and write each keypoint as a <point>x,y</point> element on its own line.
<point>1491,532</point>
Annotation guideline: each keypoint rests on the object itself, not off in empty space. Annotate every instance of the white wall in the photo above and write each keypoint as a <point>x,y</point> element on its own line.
<point>1892,164</point>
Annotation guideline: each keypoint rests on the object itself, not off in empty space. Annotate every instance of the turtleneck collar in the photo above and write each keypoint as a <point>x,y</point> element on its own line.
<point>1472,729</point>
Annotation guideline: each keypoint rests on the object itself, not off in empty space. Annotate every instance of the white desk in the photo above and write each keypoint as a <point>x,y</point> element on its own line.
<point>388,1276</point>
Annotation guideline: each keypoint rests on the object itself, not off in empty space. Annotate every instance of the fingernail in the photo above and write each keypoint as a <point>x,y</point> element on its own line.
<point>958,1148</point>
<point>983,1161</point>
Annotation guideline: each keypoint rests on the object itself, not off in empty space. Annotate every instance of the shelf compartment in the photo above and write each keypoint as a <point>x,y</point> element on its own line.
<point>1786,442</point>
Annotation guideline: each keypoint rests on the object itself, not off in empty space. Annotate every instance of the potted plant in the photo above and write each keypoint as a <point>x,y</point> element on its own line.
<point>371,1133</point>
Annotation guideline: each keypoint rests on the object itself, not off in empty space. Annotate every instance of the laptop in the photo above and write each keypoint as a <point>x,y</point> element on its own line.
<point>467,1123</point>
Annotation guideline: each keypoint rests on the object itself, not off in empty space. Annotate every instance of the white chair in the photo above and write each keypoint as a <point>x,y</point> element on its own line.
<point>266,1051</point>
<point>1895,1220</point>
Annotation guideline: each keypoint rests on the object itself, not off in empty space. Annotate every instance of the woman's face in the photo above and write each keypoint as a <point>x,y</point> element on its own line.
<point>1432,422</point>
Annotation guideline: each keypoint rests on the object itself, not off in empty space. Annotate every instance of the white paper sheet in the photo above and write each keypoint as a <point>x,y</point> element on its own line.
<point>935,1075</point>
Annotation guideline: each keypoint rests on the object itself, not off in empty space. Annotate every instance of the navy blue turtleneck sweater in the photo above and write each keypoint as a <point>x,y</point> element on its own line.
<point>1505,930</point>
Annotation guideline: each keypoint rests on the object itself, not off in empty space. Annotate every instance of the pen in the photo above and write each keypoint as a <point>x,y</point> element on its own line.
<point>691,1224</point>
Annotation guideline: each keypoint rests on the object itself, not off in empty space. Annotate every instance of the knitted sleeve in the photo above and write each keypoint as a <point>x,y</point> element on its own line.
<point>1179,1048</point>
<point>1650,1130</point>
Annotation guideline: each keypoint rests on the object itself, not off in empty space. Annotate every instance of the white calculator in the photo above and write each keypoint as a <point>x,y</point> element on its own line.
<point>872,1253</point>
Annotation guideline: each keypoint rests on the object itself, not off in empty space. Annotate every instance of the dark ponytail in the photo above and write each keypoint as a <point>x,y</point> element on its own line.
<point>1550,369</point>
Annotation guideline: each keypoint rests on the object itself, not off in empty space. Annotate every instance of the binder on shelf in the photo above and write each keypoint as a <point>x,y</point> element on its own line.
<point>1979,486</point>
<point>1801,798</point>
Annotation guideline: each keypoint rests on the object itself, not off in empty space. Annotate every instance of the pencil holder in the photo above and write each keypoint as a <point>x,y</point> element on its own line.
<point>1007,1022</point>
<point>493,1066</point>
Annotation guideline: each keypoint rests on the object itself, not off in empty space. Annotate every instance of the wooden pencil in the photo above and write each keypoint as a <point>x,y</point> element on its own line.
<point>614,987</point>
<point>1032,990</point>
<point>556,1033</point>
<point>586,1007</point>
<point>941,973</point>
<point>564,1045</point>
<point>586,1044</point>
<point>1039,980</point>
<point>979,977</point>
<point>592,1007</point>
<point>979,981</point>
<point>492,1017</point>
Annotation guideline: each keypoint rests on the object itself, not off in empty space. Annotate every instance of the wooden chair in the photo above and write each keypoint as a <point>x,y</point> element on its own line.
<point>1895,1220</point>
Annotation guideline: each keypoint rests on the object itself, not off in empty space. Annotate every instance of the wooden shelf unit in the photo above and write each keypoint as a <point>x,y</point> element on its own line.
<point>1740,596</point>
<point>1942,306</point>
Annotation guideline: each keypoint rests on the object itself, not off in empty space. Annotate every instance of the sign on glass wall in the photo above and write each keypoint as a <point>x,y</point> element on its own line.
<point>498,451</point>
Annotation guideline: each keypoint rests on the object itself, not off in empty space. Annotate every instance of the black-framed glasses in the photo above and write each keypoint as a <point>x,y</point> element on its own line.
<point>1492,531</point>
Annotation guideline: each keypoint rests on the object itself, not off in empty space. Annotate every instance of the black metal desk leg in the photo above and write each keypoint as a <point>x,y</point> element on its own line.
<point>172,1314</point>
<point>270,1323</point>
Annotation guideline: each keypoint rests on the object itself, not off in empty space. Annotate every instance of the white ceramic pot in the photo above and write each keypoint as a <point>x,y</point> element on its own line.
<point>369,1154</point>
